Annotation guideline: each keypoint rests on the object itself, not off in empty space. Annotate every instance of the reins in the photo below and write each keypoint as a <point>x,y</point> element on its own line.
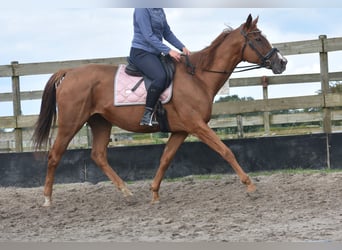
<point>191,68</point>
<point>264,59</point>
<point>240,69</point>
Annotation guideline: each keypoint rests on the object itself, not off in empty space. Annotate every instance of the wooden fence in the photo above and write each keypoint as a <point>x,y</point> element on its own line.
<point>328,102</point>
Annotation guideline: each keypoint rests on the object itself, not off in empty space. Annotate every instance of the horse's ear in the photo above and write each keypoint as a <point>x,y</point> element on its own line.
<point>255,21</point>
<point>248,21</point>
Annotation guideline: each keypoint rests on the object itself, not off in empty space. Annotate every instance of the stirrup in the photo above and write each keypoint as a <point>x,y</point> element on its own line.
<point>151,123</point>
<point>147,119</point>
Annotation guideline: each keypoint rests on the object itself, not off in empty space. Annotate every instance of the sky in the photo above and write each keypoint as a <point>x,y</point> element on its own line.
<point>59,33</point>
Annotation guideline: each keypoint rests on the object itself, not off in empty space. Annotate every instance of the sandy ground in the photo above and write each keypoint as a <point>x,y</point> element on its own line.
<point>286,208</point>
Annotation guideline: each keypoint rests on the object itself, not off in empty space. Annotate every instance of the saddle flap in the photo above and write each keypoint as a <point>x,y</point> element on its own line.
<point>169,67</point>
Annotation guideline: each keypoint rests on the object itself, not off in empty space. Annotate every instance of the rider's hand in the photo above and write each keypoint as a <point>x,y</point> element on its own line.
<point>186,51</point>
<point>175,55</point>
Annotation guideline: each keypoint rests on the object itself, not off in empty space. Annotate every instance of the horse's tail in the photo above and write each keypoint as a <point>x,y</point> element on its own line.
<point>47,115</point>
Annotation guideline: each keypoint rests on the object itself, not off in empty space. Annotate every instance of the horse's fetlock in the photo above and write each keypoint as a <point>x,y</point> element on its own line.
<point>154,189</point>
<point>246,180</point>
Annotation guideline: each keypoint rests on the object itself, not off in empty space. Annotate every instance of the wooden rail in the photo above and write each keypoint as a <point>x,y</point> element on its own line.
<point>326,101</point>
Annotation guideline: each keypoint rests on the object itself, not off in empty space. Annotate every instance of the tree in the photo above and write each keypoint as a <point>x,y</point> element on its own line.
<point>334,87</point>
<point>234,98</point>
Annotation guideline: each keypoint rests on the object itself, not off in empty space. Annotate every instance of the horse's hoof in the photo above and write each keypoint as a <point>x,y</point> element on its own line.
<point>126,192</point>
<point>47,202</point>
<point>155,198</point>
<point>154,202</point>
<point>251,188</point>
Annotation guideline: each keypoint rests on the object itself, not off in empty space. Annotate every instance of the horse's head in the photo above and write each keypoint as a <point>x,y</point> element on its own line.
<point>257,49</point>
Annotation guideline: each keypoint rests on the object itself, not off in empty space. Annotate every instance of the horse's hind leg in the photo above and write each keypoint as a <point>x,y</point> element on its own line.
<point>64,136</point>
<point>101,129</point>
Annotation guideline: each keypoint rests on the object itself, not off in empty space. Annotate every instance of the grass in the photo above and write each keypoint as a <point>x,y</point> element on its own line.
<point>222,176</point>
<point>196,177</point>
<point>253,174</point>
<point>295,171</point>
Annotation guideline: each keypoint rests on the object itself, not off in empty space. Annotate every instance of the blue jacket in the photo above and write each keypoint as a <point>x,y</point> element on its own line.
<point>150,27</point>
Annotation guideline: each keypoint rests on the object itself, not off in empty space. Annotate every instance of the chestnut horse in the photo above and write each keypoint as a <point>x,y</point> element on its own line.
<point>85,94</point>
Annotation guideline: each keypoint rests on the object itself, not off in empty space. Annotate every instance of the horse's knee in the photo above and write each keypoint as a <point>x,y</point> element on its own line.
<point>53,161</point>
<point>97,157</point>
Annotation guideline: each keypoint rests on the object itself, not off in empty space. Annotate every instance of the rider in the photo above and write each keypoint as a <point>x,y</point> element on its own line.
<point>150,27</point>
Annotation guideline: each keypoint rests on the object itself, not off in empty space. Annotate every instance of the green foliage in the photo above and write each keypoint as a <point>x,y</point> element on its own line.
<point>234,98</point>
<point>334,87</point>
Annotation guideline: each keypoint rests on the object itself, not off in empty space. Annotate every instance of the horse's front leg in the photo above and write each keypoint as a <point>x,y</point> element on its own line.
<point>208,136</point>
<point>171,147</point>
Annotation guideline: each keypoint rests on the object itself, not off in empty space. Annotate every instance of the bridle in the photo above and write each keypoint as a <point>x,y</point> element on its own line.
<point>265,60</point>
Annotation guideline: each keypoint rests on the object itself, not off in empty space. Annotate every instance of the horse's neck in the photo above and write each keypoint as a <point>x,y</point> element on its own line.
<point>225,60</point>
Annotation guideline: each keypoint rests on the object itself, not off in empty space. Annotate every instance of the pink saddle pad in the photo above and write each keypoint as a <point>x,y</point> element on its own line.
<point>123,94</point>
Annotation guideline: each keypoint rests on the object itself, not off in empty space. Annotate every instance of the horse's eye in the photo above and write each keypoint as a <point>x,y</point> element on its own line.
<point>258,39</point>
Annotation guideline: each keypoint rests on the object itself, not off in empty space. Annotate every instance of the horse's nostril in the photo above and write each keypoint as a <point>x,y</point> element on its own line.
<point>283,61</point>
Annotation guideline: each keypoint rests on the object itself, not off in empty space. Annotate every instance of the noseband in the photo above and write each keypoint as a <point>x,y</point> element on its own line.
<point>265,60</point>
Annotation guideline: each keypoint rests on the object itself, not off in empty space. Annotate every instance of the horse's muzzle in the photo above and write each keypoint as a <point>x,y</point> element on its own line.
<point>278,63</point>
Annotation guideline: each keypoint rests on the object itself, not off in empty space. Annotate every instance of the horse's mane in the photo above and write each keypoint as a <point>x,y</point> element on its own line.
<point>207,54</point>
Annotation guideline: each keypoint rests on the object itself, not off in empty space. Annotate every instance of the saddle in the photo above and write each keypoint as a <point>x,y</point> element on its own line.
<point>167,63</point>
<point>169,67</point>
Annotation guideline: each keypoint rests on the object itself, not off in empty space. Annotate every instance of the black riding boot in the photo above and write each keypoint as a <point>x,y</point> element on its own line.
<point>147,118</point>
<point>152,97</point>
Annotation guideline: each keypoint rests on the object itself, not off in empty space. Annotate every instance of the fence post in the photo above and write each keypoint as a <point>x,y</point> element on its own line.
<point>323,55</point>
<point>89,136</point>
<point>266,114</point>
<point>16,107</point>
<point>239,126</point>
